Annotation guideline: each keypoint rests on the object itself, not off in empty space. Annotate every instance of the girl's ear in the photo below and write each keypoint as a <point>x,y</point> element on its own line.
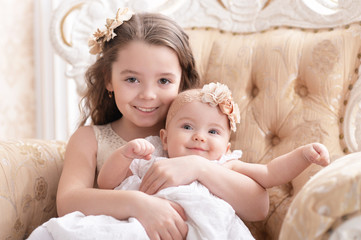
<point>109,86</point>
<point>163,138</point>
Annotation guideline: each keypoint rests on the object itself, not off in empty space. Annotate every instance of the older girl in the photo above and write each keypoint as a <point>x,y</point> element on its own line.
<point>144,61</point>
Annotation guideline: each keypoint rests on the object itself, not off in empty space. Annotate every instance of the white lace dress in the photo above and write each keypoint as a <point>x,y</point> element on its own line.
<point>208,217</point>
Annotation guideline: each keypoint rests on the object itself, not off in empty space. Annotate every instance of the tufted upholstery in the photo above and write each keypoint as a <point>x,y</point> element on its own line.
<point>292,86</point>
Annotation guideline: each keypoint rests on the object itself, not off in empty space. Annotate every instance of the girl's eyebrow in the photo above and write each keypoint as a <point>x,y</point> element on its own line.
<point>167,74</point>
<point>128,71</point>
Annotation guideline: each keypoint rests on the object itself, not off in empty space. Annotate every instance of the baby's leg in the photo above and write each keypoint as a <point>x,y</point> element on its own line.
<point>316,153</point>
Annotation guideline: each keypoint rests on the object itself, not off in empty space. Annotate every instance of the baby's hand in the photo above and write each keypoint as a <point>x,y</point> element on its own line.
<point>138,148</point>
<point>316,153</point>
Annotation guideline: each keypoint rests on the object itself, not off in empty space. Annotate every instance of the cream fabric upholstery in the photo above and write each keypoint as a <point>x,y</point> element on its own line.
<point>292,86</point>
<point>331,197</point>
<point>29,175</point>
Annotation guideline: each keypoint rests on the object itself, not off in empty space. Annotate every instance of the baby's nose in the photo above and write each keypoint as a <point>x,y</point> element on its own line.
<point>198,137</point>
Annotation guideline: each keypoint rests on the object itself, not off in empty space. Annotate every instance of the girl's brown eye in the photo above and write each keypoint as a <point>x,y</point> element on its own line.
<point>132,80</point>
<point>164,81</point>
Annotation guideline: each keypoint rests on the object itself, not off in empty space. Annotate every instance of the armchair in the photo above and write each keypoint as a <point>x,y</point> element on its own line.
<point>29,175</point>
<point>294,73</point>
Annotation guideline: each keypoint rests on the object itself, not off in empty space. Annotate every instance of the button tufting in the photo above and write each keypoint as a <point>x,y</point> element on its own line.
<point>255,91</point>
<point>275,140</point>
<point>303,91</point>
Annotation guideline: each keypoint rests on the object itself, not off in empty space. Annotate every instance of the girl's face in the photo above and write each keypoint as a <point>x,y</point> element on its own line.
<point>145,80</point>
<point>197,129</point>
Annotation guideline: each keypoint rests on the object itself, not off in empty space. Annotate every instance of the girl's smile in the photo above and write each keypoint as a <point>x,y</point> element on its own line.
<point>146,110</point>
<point>145,80</point>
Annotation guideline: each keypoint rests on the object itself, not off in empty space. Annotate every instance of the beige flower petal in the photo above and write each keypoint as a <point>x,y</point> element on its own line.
<point>219,94</point>
<point>96,45</point>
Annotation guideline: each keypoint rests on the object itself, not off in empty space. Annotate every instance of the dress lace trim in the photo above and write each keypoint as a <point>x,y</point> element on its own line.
<point>108,142</point>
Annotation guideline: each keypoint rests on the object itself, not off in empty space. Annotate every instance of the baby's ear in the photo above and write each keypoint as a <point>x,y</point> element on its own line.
<point>228,147</point>
<point>163,138</point>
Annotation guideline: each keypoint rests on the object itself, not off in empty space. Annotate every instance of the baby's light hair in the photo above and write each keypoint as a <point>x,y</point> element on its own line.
<point>182,99</point>
<point>214,94</point>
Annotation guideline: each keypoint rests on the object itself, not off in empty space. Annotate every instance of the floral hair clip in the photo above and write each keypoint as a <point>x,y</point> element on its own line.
<point>101,36</point>
<point>219,94</point>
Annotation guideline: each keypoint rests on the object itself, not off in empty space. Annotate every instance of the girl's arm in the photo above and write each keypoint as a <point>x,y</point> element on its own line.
<point>160,218</point>
<point>116,167</point>
<point>284,168</point>
<point>248,199</point>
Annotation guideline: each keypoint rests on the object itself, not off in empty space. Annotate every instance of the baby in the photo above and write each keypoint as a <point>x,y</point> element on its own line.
<point>199,123</point>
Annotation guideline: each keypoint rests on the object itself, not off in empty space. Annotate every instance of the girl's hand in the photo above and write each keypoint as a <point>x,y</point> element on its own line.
<point>161,218</point>
<point>316,153</point>
<point>171,172</point>
<point>138,148</point>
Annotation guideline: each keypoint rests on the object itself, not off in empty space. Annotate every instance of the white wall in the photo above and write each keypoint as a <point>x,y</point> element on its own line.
<point>17,99</point>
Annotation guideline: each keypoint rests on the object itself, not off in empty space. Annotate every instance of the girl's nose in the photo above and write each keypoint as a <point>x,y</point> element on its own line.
<point>198,137</point>
<point>147,93</point>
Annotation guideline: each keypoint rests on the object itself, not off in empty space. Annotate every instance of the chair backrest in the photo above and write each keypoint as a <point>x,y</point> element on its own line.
<point>293,68</point>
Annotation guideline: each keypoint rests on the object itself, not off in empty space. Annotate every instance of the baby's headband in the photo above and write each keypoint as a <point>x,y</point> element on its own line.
<point>214,94</point>
<point>219,94</point>
<point>101,36</point>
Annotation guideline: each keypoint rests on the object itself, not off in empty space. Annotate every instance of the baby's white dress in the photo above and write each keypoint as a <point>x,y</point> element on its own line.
<point>208,217</point>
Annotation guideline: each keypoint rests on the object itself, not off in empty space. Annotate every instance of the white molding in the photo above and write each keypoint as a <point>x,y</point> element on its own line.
<point>43,72</point>
<point>51,84</point>
<point>230,15</point>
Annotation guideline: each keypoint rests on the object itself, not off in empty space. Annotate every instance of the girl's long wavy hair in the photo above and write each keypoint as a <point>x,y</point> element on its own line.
<point>150,28</point>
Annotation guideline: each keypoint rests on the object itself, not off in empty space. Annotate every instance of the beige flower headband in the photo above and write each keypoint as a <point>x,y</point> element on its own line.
<point>214,94</point>
<point>219,94</point>
<point>101,36</point>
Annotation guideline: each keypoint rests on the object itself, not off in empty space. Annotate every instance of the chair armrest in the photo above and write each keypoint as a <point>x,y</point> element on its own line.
<point>29,175</point>
<point>329,197</point>
<point>347,228</point>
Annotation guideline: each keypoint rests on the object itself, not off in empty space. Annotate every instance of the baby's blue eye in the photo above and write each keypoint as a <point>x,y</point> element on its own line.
<point>213,131</point>
<point>164,81</point>
<point>187,127</point>
<point>132,80</point>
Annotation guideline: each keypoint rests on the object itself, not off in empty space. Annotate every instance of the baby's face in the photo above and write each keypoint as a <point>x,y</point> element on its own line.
<point>197,129</point>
